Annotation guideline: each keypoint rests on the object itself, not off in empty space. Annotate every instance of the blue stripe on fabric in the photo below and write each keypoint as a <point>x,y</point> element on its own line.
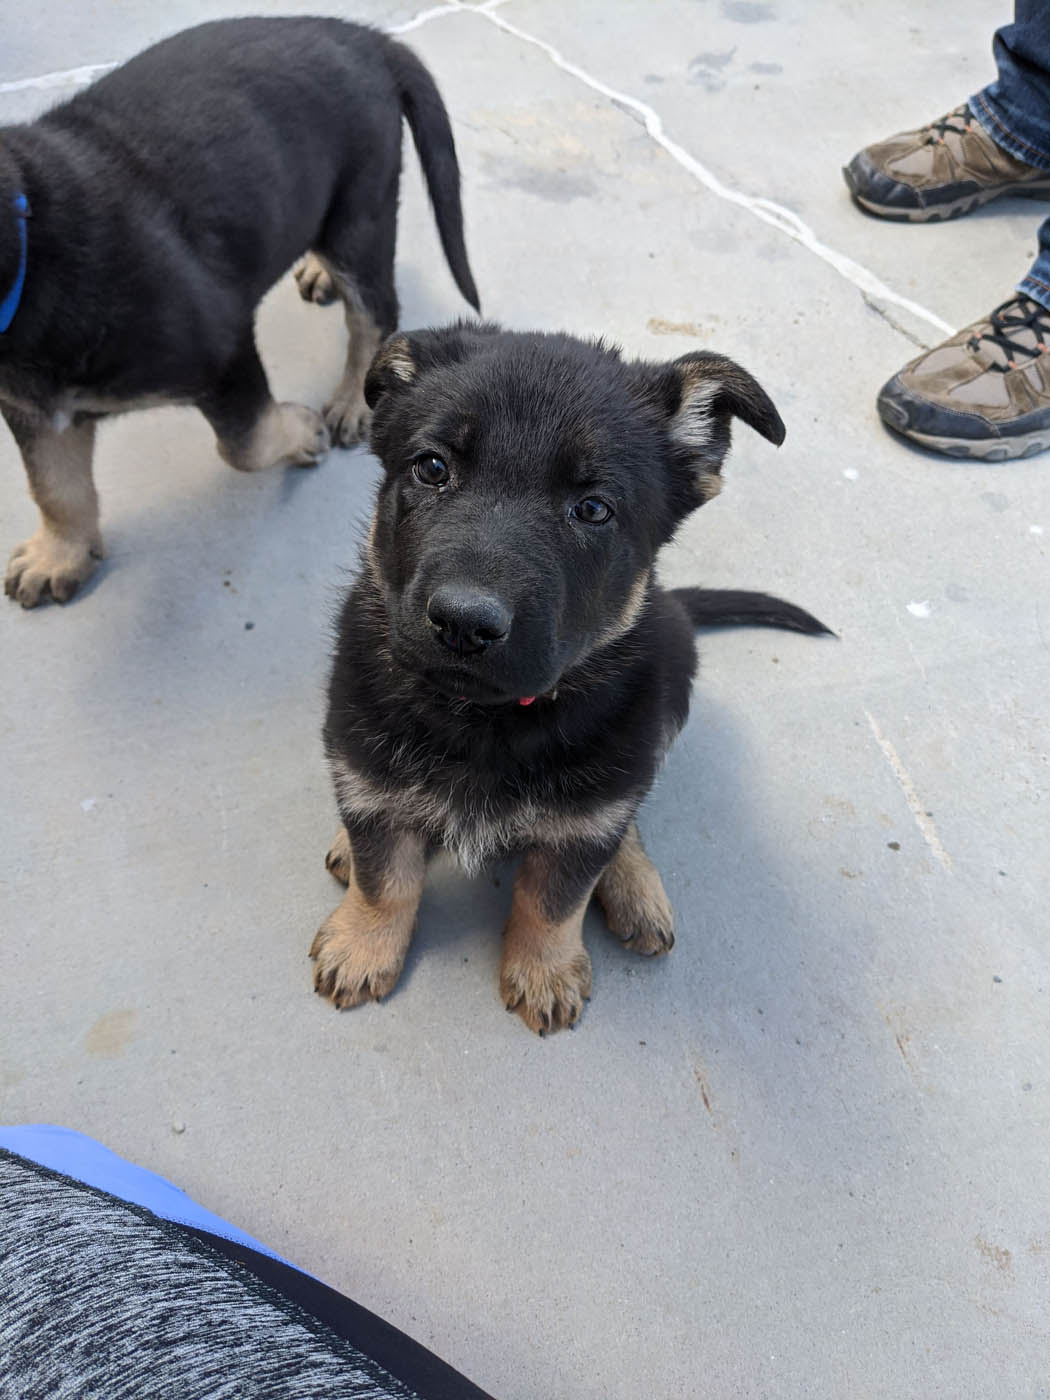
<point>85,1160</point>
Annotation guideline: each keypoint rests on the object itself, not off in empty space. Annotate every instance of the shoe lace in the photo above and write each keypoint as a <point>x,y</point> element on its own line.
<point>960,121</point>
<point>1006,321</point>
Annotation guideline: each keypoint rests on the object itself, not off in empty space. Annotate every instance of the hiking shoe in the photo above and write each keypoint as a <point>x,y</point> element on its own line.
<point>939,172</point>
<point>985,393</point>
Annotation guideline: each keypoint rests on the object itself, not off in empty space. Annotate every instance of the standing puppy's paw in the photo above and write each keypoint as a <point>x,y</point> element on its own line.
<point>314,280</point>
<point>46,564</point>
<point>355,962</point>
<point>348,418</point>
<point>548,996</point>
<point>286,435</point>
<point>306,439</point>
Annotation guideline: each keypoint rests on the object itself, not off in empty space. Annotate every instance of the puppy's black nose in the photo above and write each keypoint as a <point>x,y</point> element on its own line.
<point>466,619</point>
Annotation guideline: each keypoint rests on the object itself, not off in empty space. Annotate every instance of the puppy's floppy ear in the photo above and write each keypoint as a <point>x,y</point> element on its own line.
<point>401,358</point>
<point>702,393</point>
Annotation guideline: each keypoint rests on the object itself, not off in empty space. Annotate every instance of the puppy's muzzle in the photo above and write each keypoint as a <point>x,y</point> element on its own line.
<point>467,620</point>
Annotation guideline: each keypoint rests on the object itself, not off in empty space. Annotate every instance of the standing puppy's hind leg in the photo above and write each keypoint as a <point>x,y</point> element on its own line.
<point>253,431</point>
<point>62,554</point>
<point>359,255</point>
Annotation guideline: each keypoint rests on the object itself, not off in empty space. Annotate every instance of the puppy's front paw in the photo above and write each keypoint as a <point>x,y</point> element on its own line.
<point>337,861</point>
<point>47,564</point>
<point>314,280</point>
<point>348,418</point>
<point>355,962</point>
<point>547,995</point>
<point>636,906</point>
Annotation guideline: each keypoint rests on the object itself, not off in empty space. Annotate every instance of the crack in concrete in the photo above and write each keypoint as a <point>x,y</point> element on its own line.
<point>776,215</point>
<point>923,820</point>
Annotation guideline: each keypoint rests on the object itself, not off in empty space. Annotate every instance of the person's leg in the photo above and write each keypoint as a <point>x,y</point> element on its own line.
<point>997,143</point>
<point>1015,109</point>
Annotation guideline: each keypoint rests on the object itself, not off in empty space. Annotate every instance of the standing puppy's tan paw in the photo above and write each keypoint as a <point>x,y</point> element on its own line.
<point>338,860</point>
<point>286,435</point>
<point>632,894</point>
<point>355,962</point>
<point>314,280</point>
<point>348,419</point>
<point>47,564</point>
<point>547,995</point>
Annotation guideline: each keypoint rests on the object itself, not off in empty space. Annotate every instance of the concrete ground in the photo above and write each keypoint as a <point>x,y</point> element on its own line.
<point>806,1154</point>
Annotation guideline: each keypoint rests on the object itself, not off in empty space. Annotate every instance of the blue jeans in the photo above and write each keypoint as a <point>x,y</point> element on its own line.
<point>1015,112</point>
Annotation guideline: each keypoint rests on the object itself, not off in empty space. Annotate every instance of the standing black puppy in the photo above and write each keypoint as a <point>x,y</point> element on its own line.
<point>509,675</point>
<point>141,223</point>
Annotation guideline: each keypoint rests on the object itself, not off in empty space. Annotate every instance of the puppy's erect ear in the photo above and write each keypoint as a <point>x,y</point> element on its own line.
<point>702,393</point>
<point>393,365</point>
<point>400,359</point>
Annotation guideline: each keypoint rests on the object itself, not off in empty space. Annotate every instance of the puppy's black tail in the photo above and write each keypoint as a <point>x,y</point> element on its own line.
<point>729,607</point>
<point>422,105</point>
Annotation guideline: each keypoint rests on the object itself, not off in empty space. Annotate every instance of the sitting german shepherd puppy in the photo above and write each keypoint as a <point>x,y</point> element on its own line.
<point>142,221</point>
<point>509,675</point>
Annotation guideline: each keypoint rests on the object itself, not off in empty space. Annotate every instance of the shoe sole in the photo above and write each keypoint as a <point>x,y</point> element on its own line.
<point>981,449</point>
<point>938,213</point>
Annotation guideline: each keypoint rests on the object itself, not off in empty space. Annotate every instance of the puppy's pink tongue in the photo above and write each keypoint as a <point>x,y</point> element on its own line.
<point>526,700</point>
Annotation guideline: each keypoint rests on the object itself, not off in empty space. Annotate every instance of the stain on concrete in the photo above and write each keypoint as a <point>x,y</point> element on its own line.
<point>111,1034</point>
<point>705,1092</point>
<point>996,1254</point>
<point>653,78</point>
<point>748,11</point>
<point>768,68</point>
<point>706,69</point>
<point>995,499</point>
<point>656,325</point>
<point>713,60</point>
<point>556,185</point>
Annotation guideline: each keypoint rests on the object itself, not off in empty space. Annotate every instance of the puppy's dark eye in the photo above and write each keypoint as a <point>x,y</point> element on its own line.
<point>592,511</point>
<point>430,470</point>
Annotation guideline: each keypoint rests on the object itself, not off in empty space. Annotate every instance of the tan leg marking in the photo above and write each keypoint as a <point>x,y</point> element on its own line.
<point>64,550</point>
<point>348,416</point>
<point>286,434</point>
<point>545,975</point>
<point>315,280</point>
<point>360,948</point>
<point>632,894</point>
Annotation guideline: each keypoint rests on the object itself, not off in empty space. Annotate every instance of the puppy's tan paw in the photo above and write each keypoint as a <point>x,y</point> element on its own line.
<point>304,437</point>
<point>548,996</point>
<point>314,280</point>
<point>355,964</point>
<point>286,435</point>
<point>632,895</point>
<point>348,419</point>
<point>46,564</point>
<point>337,861</point>
<point>644,926</point>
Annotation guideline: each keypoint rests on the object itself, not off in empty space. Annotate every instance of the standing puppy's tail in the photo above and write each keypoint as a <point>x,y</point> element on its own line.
<point>715,607</point>
<point>422,105</point>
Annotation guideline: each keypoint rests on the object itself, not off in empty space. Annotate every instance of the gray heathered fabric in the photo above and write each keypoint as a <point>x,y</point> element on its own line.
<point>100,1300</point>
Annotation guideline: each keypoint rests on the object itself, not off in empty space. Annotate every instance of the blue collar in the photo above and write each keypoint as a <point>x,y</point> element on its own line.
<point>9,305</point>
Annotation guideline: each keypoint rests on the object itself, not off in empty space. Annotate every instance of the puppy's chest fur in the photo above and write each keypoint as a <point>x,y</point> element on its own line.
<point>476,811</point>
